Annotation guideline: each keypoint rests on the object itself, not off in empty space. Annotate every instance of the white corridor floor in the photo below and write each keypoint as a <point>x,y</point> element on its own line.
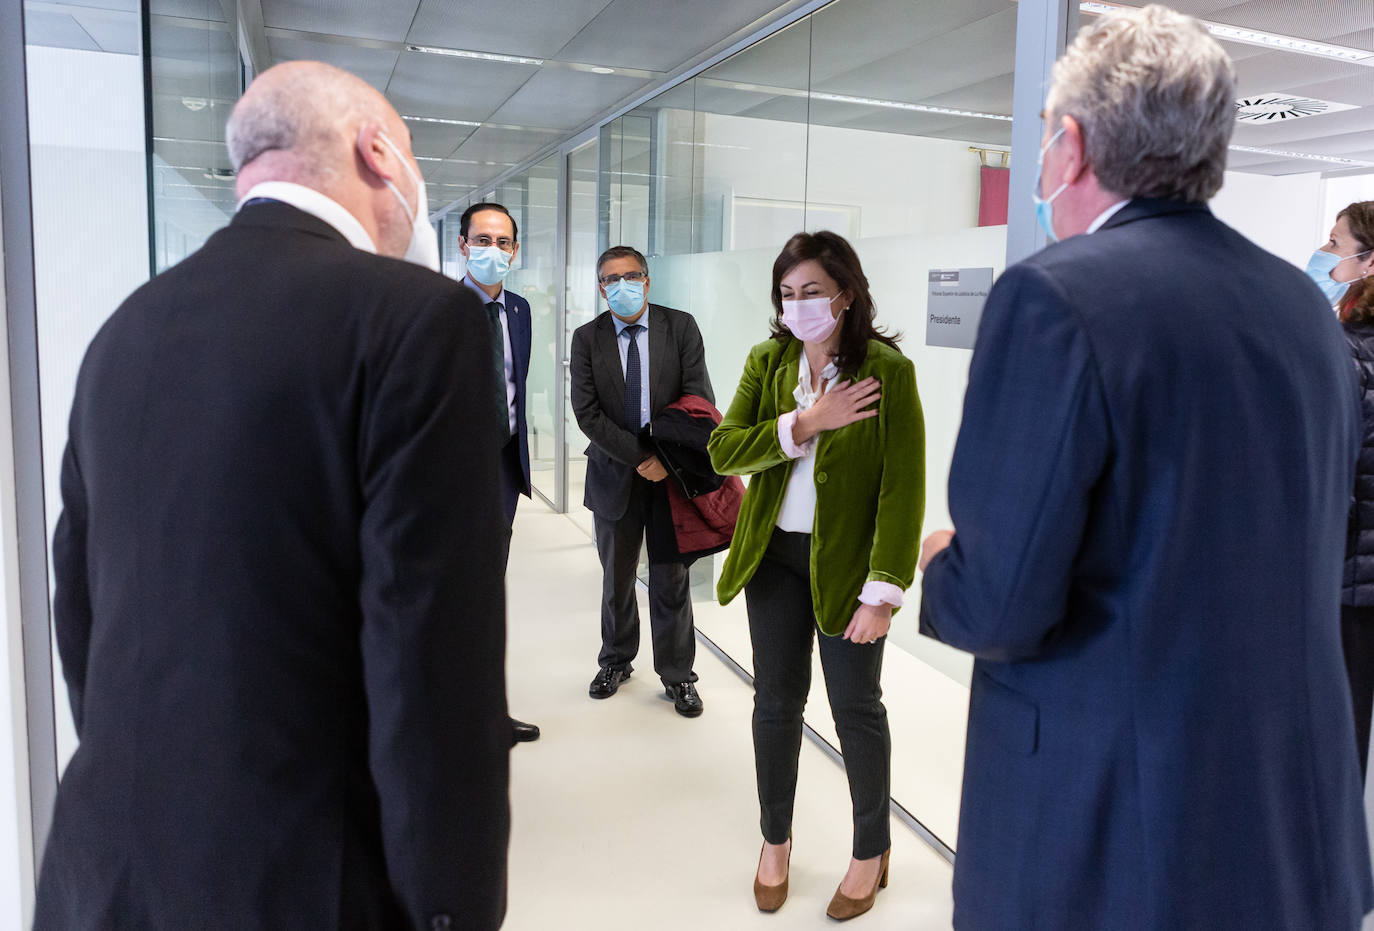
<point>625,815</point>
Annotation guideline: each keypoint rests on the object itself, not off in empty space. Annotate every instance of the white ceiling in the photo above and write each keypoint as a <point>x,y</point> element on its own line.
<point>925,52</point>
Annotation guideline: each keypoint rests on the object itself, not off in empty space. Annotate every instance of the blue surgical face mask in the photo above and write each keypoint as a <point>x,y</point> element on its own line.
<point>488,265</point>
<point>625,297</point>
<point>1320,267</point>
<point>1044,209</point>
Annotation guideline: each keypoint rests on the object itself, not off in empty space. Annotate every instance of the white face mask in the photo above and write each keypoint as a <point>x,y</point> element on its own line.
<point>424,241</point>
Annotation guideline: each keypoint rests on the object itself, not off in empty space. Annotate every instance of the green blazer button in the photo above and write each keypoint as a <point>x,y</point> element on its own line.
<point>820,478</point>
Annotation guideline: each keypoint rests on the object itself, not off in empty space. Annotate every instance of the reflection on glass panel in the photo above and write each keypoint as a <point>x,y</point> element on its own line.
<point>533,199</point>
<point>927,101</point>
<point>88,180</point>
<point>197,77</point>
<point>582,303</point>
<point>887,121</point>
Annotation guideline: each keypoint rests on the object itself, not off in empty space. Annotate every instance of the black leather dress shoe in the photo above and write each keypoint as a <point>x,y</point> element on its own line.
<point>607,680</point>
<point>686,701</point>
<point>522,732</point>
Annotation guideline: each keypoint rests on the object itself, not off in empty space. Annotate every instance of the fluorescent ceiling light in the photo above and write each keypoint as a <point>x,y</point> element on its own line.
<point>903,105</point>
<point>435,119</point>
<point>1271,40</point>
<point>1306,156</point>
<point>600,70</point>
<point>479,56</point>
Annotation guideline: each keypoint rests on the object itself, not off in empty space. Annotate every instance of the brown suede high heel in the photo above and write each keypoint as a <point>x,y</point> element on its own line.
<point>843,908</point>
<point>770,898</point>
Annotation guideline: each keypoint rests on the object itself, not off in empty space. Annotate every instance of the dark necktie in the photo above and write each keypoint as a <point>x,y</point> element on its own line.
<point>498,353</point>
<point>633,402</point>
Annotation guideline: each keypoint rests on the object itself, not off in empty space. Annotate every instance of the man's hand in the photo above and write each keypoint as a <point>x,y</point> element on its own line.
<point>652,469</point>
<point>935,544</point>
<point>869,623</point>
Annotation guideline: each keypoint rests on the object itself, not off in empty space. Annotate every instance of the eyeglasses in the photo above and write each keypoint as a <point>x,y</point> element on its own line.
<point>482,242</point>
<point>608,280</point>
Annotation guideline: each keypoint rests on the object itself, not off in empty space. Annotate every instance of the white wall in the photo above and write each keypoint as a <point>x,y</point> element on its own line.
<point>1282,214</point>
<point>90,228</point>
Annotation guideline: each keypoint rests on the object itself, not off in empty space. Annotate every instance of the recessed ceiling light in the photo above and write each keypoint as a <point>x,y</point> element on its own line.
<point>903,105</point>
<point>600,70</point>
<point>436,119</point>
<point>1255,37</point>
<point>478,56</point>
<point>1306,156</point>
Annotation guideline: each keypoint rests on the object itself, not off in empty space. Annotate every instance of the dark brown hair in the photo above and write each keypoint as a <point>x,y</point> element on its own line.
<point>1357,306</point>
<point>622,252</point>
<point>837,257</point>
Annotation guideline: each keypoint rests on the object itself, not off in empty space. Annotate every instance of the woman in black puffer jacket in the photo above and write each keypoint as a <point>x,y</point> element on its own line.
<point>1342,269</point>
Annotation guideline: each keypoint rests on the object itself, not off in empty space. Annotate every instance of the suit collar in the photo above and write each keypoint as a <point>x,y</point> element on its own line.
<point>317,205</point>
<point>1143,208</point>
<point>277,215</point>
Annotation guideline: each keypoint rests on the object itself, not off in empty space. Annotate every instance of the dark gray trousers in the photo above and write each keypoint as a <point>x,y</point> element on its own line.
<point>782,623</point>
<point>670,603</point>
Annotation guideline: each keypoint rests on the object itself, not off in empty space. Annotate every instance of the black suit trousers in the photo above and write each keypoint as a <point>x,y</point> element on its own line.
<point>782,623</point>
<point>618,543</point>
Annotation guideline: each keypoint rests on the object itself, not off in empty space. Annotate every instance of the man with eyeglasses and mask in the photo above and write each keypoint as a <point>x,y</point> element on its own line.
<point>489,240</point>
<point>627,366</point>
<point>283,634</point>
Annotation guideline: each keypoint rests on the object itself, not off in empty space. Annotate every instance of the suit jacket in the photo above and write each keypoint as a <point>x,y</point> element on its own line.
<point>869,479</point>
<point>677,366</point>
<point>282,633</point>
<point>1150,491</point>
<point>518,323</point>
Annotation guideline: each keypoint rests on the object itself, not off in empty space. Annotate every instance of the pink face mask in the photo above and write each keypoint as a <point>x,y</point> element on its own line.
<point>810,321</point>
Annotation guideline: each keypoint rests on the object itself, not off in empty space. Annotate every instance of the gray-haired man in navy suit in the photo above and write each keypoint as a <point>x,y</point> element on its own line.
<point>1149,497</point>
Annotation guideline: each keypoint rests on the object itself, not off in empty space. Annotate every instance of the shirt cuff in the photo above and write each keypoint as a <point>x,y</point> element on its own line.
<point>785,424</point>
<point>878,593</point>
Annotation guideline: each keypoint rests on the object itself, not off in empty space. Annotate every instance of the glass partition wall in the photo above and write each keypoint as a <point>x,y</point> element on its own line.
<point>875,120</point>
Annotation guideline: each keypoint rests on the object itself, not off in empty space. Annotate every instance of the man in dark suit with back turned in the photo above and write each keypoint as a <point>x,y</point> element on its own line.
<point>283,634</point>
<point>1149,496</point>
<point>627,365</point>
<point>490,239</point>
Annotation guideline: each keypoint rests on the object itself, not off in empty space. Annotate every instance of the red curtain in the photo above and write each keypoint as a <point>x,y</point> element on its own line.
<point>992,199</point>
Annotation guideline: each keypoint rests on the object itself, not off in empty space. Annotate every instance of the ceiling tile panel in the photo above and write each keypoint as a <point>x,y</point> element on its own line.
<point>373,65</point>
<point>844,35</point>
<point>532,28</point>
<point>563,99</point>
<point>388,21</point>
<point>506,147</point>
<point>436,139</point>
<point>659,35</point>
<point>456,88</point>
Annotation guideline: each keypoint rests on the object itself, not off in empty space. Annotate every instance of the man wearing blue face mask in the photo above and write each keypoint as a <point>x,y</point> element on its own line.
<point>489,240</point>
<point>627,366</point>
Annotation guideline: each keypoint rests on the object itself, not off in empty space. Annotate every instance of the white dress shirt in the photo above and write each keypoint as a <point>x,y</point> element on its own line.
<point>505,335</point>
<point>1104,216</point>
<point>317,205</point>
<point>798,512</point>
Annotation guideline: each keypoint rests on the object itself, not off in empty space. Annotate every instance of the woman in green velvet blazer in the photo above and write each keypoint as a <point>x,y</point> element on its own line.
<point>827,422</point>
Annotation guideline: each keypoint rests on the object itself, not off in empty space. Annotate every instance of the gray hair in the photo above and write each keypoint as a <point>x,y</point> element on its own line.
<point>1155,96</point>
<point>307,110</point>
